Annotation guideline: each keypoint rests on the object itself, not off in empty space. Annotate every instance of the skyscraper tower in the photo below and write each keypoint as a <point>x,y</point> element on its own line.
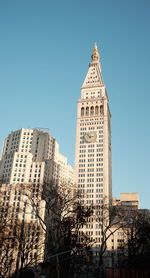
<point>93,146</point>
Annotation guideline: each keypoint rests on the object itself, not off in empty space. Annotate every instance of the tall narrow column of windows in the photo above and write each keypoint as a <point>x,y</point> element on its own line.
<point>93,147</point>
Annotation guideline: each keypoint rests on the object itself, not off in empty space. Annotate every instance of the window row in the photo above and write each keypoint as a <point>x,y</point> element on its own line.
<point>92,111</point>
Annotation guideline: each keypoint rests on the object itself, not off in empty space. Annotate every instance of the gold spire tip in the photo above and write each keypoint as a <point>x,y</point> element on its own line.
<point>95,54</point>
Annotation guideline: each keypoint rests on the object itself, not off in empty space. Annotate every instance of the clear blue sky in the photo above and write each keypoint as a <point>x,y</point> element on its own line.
<point>45,49</point>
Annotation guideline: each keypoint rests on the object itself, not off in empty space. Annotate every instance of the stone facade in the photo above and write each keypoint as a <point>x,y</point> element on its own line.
<point>32,155</point>
<point>29,159</point>
<point>93,147</point>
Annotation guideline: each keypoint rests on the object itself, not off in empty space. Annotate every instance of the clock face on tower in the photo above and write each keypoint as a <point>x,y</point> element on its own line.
<point>90,137</point>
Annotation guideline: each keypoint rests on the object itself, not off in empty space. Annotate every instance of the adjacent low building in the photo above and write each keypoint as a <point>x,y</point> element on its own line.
<point>127,200</point>
<point>118,233</point>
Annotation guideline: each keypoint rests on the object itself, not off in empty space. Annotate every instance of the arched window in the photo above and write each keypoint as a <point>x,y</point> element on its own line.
<point>92,110</point>
<point>87,111</point>
<point>96,110</point>
<point>102,110</point>
<point>82,111</point>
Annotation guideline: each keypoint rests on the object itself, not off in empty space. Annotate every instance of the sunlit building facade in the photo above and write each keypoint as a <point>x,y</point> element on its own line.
<point>30,158</point>
<point>93,147</point>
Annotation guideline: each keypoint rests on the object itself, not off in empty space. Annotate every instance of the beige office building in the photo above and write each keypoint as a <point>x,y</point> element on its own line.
<point>29,158</point>
<point>93,146</point>
<point>29,155</point>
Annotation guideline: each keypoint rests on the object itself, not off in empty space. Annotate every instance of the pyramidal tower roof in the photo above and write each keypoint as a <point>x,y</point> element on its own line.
<point>94,77</point>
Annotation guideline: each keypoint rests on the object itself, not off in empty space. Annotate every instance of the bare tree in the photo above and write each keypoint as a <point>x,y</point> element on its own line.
<point>64,217</point>
<point>138,243</point>
<point>45,224</point>
<point>21,237</point>
<point>111,219</point>
<point>6,240</point>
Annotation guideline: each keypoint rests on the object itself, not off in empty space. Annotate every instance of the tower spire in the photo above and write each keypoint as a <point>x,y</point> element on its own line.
<point>94,77</point>
<point>95,54</point>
